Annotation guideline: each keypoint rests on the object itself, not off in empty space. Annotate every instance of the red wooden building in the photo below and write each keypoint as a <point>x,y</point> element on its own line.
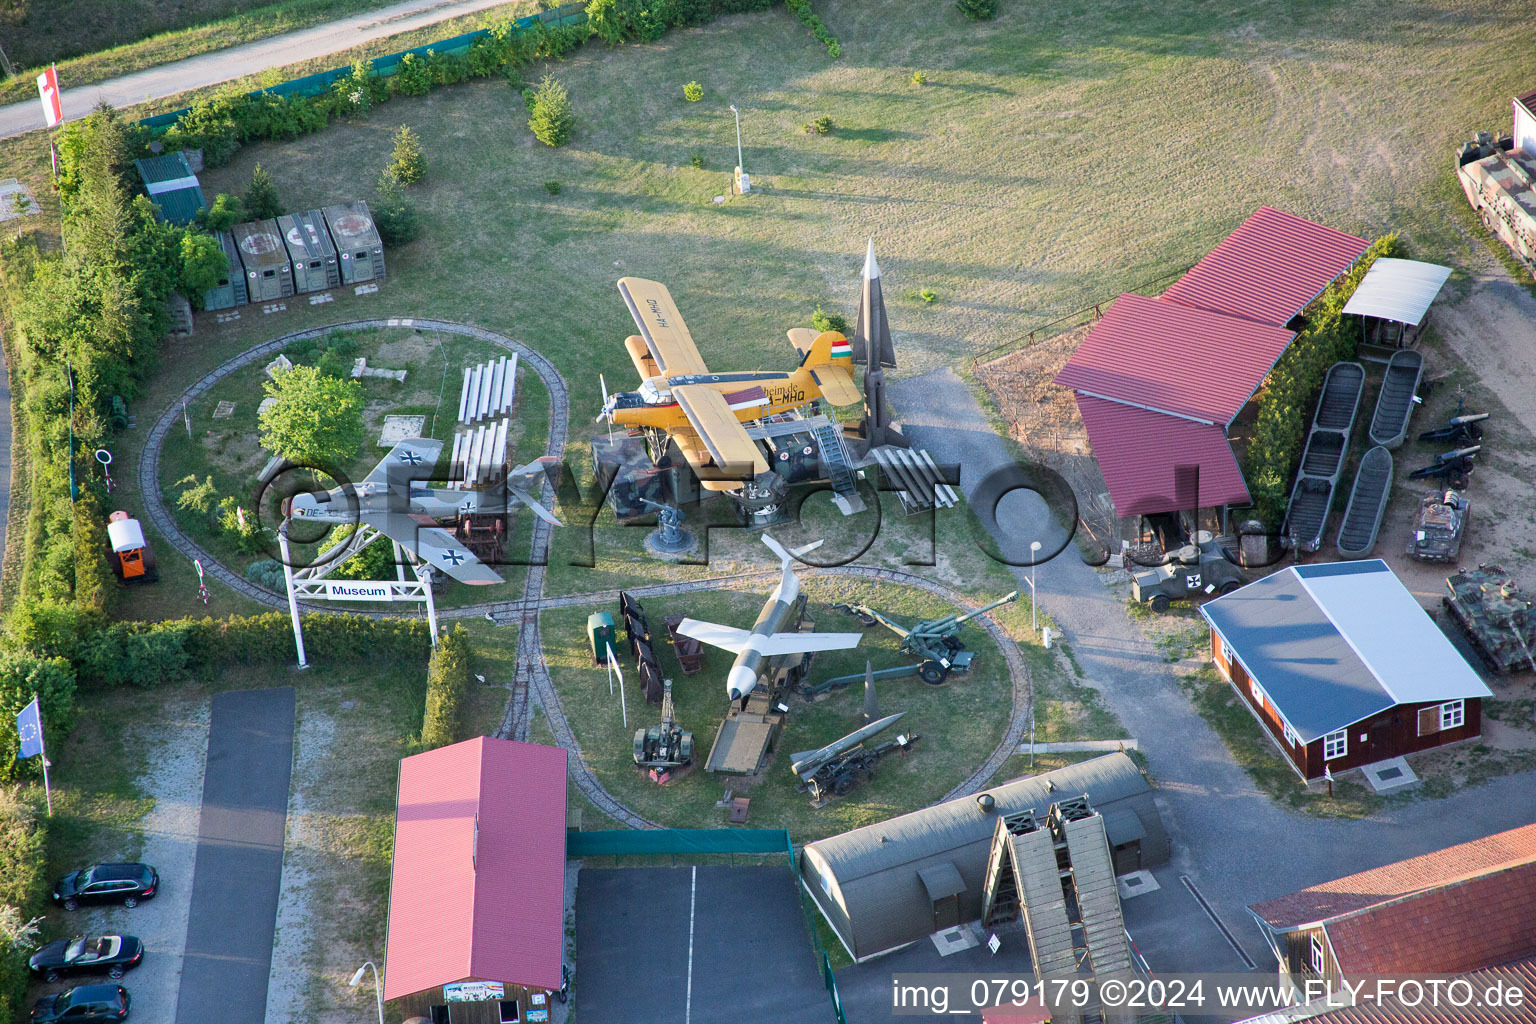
<point>1342,667</point>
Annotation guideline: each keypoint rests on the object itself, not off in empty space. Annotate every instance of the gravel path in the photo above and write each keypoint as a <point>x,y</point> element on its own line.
<point>238,61</point>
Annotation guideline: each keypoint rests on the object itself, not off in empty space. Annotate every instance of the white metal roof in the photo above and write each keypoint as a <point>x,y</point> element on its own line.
<point>1398,290</point>
<point>1390,632</point>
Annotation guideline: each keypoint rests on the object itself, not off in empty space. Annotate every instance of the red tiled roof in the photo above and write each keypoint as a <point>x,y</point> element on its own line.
<point>1368,888</point>
<point>1140,453</point>
<point>1269,269</point>
<point>1518,974</point>
<point>487,906</point>
<point>1173,359</point>
<point>1463,926</point>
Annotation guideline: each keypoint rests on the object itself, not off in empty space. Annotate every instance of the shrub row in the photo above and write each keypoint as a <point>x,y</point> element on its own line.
<point>23,890</point>
<point>448,682</point>
<point>147,654</point>
<point>808,17</point>
<point>1286,398</point>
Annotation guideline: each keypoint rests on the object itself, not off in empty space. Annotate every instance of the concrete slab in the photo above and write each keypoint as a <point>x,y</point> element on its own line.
<point>1390,776</point>
<point>1137,883</point>
<point>398,428</point>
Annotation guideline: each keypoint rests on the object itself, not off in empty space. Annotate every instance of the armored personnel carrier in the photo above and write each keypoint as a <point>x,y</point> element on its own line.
<point>1500,183</point>
<point>1439,526</point>
<point>1498,620</point>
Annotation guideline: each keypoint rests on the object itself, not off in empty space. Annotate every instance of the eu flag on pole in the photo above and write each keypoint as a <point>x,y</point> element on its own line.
<point>29,726</point>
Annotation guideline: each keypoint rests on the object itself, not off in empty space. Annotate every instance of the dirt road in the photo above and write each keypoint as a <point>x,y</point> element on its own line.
<point>236,62</point>
<point>1493,330</point>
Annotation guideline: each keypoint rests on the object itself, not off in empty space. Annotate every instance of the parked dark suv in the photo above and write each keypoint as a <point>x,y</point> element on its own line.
<point>87,1004</point>
<point>107,883</point>
<point>102,954</point>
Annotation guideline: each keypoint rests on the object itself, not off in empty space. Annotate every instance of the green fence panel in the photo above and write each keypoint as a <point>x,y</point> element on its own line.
<point>321,81</point>
<point>622,842</point>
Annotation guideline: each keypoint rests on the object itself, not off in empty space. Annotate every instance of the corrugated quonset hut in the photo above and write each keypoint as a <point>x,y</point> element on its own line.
<point>358,242</point>
<point>310,251</point>
<point>230,291</point>
<point>870,884</point>
<point>172,186</point>
<point>268,274</point>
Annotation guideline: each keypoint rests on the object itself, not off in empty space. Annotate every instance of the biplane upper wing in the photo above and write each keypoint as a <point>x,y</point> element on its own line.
<point>662,326</point>
<point>836,383</point>
<point>433,545</point>
<point>411,459</point>
<point>719,431</point>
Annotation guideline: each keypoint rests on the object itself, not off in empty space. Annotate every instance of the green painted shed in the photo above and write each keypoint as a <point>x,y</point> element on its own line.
<point>171,185</point>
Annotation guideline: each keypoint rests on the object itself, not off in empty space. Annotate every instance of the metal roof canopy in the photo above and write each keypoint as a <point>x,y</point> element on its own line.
<point>1143,456</point>
<point>1191,363</point>
<point>941,880</point>
<point>1269,269</point>
<point>477,889</point>
<point>1398,290</point>
<point>1334,644</point>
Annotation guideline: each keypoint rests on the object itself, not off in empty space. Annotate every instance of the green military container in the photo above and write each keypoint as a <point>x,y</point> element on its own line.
<point>310,251</point>
<point>600,635</point>
<point>172,187</point>
<point>268,274</point>
<point>357,242</point>
<point>230,291</point>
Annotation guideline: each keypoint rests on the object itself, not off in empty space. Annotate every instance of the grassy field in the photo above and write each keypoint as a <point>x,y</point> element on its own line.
<point>94,40</point>
<point>960,722</point>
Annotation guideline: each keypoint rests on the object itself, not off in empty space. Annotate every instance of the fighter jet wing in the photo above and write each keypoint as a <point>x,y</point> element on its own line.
<point>662,326</point>
<point>804,643</point>
<point>407,457</point>
<point>435,546</point>
<point>724,437</point>
<point>727,638</point>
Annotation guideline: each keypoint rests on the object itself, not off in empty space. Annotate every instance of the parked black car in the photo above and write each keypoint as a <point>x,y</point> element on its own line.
<point>86,1004</point>
<point>107,883</point>
<point>101,954</point>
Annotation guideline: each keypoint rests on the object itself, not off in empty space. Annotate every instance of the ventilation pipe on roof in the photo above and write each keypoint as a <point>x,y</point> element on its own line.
<point>986,803</point>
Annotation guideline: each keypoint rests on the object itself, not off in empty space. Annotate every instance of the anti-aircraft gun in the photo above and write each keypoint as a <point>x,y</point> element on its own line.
<point>664,745</point>
<point>935,642</point>
<point>1498,620</point>
<point>842,764</point>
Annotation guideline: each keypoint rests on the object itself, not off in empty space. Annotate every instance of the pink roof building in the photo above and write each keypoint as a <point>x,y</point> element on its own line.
<point>477,891</point>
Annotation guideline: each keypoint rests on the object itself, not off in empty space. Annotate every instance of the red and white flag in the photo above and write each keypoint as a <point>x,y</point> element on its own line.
<point>48,89</point>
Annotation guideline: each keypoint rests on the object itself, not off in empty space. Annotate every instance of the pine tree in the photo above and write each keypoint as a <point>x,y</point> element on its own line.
<point>551,118</point>
<point>407,164</point>
<point>261,200</point>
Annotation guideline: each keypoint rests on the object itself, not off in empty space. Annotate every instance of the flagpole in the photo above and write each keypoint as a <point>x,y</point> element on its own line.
<point>43,753</point>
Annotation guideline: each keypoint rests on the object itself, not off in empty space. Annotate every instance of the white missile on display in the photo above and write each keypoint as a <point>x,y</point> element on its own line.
<point>764,640</point>
<point>806,763</point>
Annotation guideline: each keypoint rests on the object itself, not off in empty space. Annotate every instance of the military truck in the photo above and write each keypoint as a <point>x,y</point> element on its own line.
<point>1500,183</point>
<point>1439,526</point>
<point>1195,570</point>
<point>1497,619</point>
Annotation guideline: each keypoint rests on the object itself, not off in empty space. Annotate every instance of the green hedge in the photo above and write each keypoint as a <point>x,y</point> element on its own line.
<point>147,654</point>
<point>808,18</point>
<point>1286,398</point>
<point>23,892</point>
<point>448,683</point>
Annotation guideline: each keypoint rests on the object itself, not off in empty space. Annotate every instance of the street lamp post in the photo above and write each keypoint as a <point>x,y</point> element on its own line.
<point>378,986</point>
<point>743,183</point>
<point>1034,603</point>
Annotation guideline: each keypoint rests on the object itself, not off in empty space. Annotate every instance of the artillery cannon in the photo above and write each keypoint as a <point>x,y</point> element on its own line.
<point>936,642</point>
<point>1461,428</point>
<point>664,745</point>
<point>1453,466</point>
<point>1498,620</point>
<point>839,766</point>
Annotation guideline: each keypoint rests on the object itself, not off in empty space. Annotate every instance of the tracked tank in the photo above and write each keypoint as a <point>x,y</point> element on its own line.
<point>1439,527</point>
<point>1497,618</point>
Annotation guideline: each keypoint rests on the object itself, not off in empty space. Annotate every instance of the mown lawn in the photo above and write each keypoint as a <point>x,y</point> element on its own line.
<point>960,722</point>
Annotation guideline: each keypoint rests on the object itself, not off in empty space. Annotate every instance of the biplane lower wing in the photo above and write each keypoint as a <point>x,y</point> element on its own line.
<point>719,430</point>
<point>433,545</point>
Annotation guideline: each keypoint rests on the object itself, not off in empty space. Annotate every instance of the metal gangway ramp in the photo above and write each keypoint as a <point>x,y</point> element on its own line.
<point>1105,941</point>
<point>1023,876</point>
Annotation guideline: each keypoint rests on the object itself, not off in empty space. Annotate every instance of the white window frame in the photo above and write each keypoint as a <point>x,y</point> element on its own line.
<point>1319,954</point>
<point>1453,714</point>
<point>1291,738</point>
<point>1336,744</point>
<point>1257,691</point>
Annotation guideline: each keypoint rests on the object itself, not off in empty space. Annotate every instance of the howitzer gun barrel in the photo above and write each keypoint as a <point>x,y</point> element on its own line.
<point>1459,453</point>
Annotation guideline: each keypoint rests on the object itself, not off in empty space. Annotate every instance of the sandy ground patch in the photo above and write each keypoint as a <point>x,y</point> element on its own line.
<point>292,970</point>
<point>175,783</point>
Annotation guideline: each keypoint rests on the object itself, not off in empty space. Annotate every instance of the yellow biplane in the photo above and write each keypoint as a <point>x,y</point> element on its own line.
<point>704,412</point>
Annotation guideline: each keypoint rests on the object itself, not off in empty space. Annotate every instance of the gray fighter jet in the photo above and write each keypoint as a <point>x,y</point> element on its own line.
<point>395,500</point>
<point>752,647</point>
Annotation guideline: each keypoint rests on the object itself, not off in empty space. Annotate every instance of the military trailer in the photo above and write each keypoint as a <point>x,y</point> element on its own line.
<point>1499,179</point>
<point>1194,571</point>
<point>310,251</point>
<point>361,251</point>
<point>230,291</point>
<point>268,274</point>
